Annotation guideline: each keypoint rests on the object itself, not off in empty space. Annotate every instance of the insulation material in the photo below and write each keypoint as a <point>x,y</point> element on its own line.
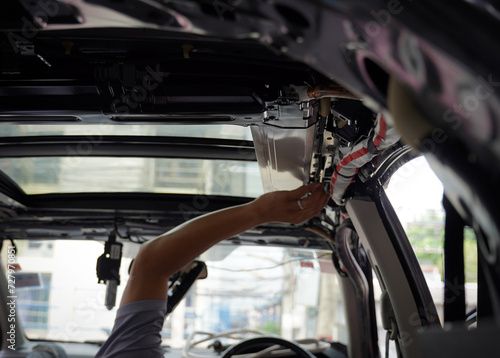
<point>382,137</point>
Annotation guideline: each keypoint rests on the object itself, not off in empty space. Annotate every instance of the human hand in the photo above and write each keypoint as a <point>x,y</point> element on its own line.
<point>284,206</point>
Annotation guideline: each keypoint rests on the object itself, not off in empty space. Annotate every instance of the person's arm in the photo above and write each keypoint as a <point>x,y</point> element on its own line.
<point>160,258</point>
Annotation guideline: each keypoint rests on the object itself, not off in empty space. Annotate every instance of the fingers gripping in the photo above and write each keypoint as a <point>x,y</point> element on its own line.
<point>310,205</point>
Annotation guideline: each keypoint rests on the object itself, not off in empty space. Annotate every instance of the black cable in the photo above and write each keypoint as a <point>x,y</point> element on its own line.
<point>268,267</point>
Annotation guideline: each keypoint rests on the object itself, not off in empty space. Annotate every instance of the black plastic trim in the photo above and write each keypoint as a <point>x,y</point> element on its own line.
<point>133,201</point>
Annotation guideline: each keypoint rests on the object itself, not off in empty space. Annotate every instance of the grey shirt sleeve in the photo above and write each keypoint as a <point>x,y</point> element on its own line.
<point>136,332</point>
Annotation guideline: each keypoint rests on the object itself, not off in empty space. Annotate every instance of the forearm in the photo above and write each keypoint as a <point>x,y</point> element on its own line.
<point>160,258</point>
<point>183,244</point>
<point>167,254</point>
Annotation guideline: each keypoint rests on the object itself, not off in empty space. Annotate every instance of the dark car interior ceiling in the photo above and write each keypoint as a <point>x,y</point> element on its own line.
<point>306,69</point>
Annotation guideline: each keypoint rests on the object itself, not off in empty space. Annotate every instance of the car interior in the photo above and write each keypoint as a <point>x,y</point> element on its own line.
<point>122,119</point>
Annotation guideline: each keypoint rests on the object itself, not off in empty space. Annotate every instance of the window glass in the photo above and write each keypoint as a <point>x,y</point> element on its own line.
<point>416,195</point>
<point>291,292</point>
<point>155,175</point>
<point>96,130</point>
<point>57,295</point>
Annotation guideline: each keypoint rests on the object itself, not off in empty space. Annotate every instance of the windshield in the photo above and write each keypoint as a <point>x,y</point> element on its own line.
<point>291,292</point>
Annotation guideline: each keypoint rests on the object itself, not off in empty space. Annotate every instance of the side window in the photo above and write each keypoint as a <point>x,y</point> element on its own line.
<point>416,195</point>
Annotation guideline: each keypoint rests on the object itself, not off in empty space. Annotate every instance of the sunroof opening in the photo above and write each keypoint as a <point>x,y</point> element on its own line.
<point>204,131</point>
<point>70,174</point>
